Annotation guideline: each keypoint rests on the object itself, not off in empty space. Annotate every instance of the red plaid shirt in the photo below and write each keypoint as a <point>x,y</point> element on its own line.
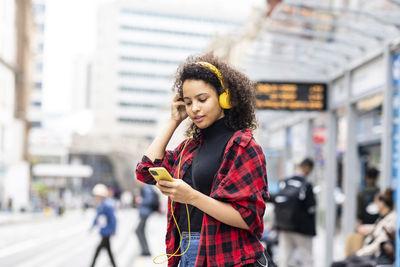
<point>241,181</point>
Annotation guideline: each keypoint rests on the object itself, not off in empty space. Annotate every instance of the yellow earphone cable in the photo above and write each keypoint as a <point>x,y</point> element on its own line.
<point>176,223</point>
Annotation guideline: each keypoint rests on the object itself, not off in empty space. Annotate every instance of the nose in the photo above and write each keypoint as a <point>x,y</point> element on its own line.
<point>195,107</point>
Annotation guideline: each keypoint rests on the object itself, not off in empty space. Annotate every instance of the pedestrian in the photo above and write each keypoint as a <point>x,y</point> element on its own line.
<point>220,168</point>
<point>295,208</point>
<point>149,203</point>
<point>105,218</point>
<point>367,212</point>
<point>375,236</point>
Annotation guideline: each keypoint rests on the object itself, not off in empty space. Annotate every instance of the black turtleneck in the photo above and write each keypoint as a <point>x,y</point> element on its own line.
<point>206,162</point>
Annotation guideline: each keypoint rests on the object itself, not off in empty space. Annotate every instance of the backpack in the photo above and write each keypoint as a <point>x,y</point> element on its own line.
<point>288,203</point>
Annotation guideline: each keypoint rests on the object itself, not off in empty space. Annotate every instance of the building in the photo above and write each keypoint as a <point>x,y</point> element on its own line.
<point>139,47</point>
<point>35,107</point>
<point>14,61</point>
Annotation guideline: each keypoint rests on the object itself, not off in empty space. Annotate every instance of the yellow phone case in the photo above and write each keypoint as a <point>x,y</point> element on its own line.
<point>160,173</point>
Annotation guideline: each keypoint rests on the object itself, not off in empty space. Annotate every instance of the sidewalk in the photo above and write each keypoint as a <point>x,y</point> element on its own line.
<point>319,248</point>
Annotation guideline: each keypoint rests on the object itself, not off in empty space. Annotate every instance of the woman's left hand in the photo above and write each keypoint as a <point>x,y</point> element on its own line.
<point>178,190</point>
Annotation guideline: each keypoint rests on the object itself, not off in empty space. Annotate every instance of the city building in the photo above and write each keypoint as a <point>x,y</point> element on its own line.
<point>139,47</point>
<point>35,106</point>
<point>14,60</point>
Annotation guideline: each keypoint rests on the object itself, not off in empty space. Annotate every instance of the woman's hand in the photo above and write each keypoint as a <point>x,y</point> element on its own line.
<point>178,110</point>
<point>178,190</point>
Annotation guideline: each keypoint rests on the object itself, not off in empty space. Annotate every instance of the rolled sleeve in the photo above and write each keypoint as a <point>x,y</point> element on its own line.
<point>168,161</point>
<point>142,169</point>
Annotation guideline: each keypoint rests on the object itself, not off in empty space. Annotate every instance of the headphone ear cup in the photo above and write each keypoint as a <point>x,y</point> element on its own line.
<point>224,100</point>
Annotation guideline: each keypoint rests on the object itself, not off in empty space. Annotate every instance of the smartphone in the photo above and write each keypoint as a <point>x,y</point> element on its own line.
<point>160,173</point>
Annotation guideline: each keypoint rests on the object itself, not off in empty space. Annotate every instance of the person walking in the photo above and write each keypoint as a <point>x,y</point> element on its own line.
<point>220,169</point>
<point>149,203</point>
<point>105,218</point>
<point>295,208</point>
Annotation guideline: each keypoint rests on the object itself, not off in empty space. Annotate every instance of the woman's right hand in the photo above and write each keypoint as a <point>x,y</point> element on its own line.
<point>178,110</point>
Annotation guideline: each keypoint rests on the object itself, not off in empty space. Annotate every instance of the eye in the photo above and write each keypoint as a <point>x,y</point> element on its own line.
<point>202,100</point>
<point>188,103</point>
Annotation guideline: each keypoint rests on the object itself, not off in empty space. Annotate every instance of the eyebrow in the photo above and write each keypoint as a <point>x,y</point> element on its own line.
<point>195,95</point>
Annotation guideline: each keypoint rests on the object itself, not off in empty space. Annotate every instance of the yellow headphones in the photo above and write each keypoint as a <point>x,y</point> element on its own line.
<point>224,101</point>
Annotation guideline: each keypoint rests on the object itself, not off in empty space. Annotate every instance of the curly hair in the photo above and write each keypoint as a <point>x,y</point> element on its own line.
<point>241,90</point>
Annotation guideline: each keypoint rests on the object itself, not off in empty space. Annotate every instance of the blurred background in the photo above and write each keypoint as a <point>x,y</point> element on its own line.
<point>86,85</point>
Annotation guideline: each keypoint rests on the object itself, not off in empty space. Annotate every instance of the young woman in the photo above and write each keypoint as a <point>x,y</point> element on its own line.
<point>221,169</point>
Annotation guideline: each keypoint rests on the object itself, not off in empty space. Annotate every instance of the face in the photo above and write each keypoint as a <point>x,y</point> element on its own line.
<point>370,181</point>
<point>306,170</point>
<point>201,102</point>
<point>379,203</point>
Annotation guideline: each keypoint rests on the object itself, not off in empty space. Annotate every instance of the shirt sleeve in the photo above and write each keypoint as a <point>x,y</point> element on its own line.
<point>142,168</point>
<point>245,185</point>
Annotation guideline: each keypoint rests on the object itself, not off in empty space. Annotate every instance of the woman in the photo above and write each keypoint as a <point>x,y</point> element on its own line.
<point>221,170</point>
<point>374,234</point>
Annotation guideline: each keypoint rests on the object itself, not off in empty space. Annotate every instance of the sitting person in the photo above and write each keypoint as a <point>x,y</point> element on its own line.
<point>374,234</point>
<point>387,248</point>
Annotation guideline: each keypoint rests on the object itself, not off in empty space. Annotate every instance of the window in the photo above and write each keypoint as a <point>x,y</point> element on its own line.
<point>35,124</point>
<point>137,105</point>
<point>36,103</point>
<point>164,31</point>
<point>145,75</point>
<point>40,47</point>
<point>142,90</point>
<point>176,17</point>
<point>39,66</point>
<point>39,8</point>
<point>38,85</point>
<point>163,46</point>
<point>150,60</point>
<point>40,27</point>
<point>137,121</point>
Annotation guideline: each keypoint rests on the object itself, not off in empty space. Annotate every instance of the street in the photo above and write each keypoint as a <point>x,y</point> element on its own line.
<point>67,241</point>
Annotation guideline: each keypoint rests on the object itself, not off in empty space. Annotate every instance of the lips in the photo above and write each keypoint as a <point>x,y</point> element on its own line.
<point>198,119</point>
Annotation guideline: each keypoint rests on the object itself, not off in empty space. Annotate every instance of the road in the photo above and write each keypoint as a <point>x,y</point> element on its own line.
<point>67,241</point>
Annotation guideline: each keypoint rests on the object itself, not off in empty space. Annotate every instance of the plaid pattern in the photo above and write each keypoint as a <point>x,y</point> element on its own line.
<point>241,181</point>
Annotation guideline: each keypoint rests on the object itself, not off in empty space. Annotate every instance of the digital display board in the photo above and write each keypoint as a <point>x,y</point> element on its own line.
<point>291,96</point>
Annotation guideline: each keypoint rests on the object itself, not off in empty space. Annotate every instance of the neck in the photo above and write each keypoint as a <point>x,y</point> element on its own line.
<point>217,128</point>
<point>385,211</point>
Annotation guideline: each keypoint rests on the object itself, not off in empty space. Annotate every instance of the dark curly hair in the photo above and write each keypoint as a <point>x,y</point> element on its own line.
<point>241,90</point>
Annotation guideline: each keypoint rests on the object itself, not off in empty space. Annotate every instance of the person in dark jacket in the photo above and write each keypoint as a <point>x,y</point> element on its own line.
<point>300,236</point>
<point>148,202</point>
<point>367,212</point>
<point>106,219</point>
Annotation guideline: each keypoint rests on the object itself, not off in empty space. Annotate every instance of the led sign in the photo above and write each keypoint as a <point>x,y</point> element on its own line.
<point>291,96</point>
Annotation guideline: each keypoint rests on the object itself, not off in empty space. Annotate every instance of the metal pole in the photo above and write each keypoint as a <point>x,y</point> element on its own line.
<point>396,83</point>
<point>351,175</point>
<point>387,118</point>
<point>287,153</point>
<point>309,138</point>
<point>331,174</point>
